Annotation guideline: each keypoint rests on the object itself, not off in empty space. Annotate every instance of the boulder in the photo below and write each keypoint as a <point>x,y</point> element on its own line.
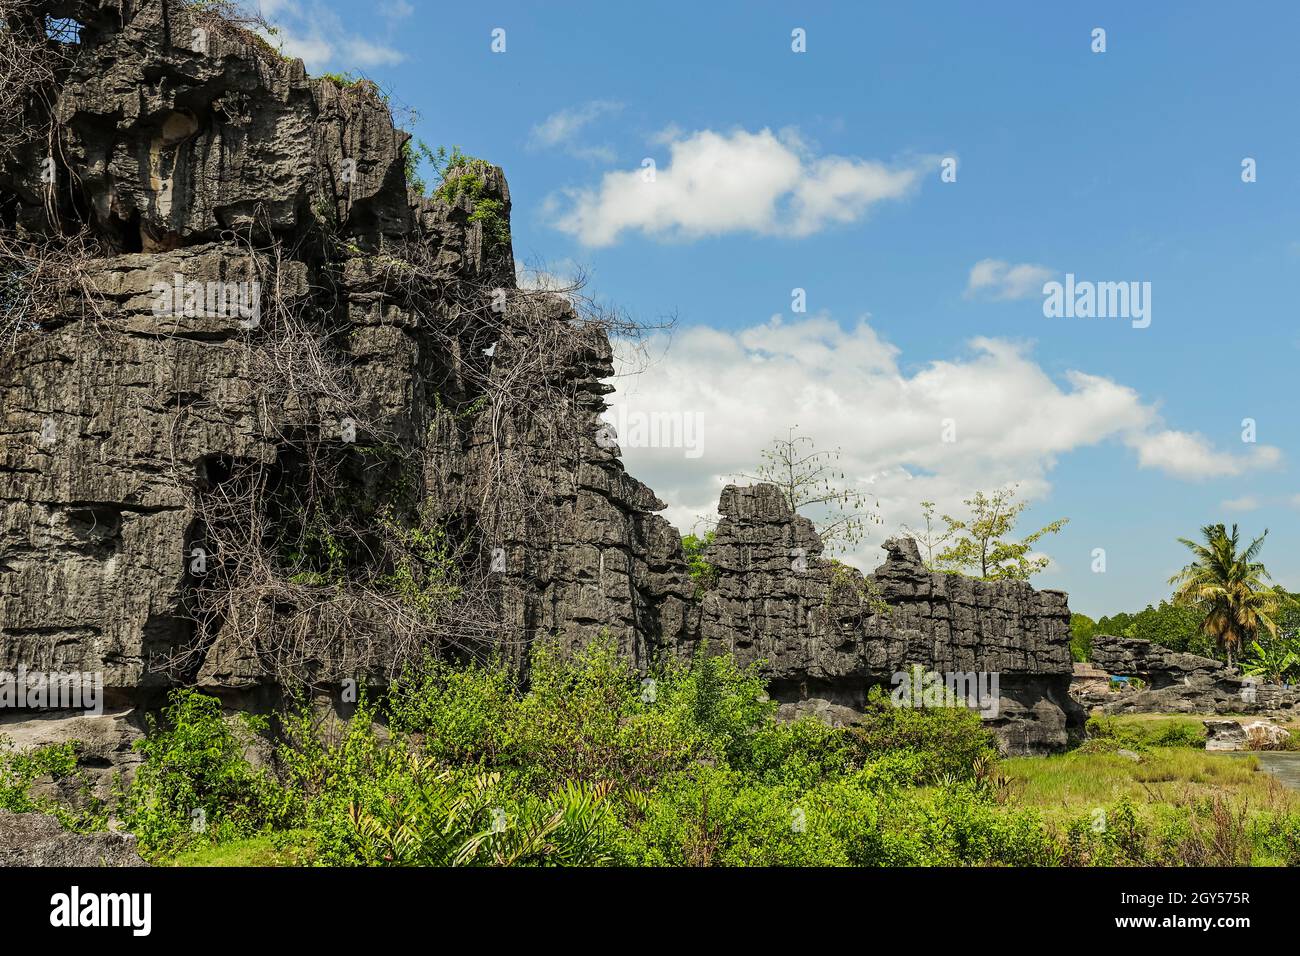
<point>37,839</point>
<point>1264,735</point>
<point>1256,735</point>
<point>1224,735</point>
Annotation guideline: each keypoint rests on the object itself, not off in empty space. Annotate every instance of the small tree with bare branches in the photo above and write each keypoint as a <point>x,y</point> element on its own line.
<point>810,482</point>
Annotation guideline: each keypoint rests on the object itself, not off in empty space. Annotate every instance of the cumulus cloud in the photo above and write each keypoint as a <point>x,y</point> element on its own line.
<point>561,129</point>
<point>320,38</point>
<point>1191,456</point>
<point>715,183</point>
<point>849,388</point>
<point>1002,281</point>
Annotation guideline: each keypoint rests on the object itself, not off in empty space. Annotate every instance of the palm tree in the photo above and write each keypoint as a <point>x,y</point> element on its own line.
<point>1228,587</point>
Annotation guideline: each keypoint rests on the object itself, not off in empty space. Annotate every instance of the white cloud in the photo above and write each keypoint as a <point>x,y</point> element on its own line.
<point>315,34</point>
<point>847,388</point>
<point>1191,456</point>
<point>1002,281</point>
<point>560,130</point>
<point>716,183</point>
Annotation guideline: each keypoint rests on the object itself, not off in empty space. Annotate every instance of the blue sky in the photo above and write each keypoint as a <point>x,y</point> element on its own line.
<point>820,170</point>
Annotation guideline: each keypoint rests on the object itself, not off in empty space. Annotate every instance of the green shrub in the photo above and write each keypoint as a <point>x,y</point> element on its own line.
<point>1108,734</point>
<point>952,740</point>
<point>702,573</point>
<point>196,783</point>
<point>593,764</point>
<point>445,820</point>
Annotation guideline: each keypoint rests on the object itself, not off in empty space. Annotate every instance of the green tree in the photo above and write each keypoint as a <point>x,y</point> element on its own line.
<point>1274,660</point>
<point>1082,628</point>
<point>1228,588</point>
<point>982,543</point>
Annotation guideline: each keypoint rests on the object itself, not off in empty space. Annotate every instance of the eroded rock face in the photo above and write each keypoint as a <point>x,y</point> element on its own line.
<point>828,633</point>
<point>226,165</point>
<point>36,839</point>
<point>223,164</point>
<point>1177,682</point>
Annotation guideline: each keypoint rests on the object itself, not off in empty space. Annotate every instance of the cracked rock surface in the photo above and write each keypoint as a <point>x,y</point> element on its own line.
<point>188,163</point>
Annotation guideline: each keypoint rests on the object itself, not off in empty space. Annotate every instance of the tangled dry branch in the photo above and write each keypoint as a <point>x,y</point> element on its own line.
<point>31,56</point>
<point>45,283</point>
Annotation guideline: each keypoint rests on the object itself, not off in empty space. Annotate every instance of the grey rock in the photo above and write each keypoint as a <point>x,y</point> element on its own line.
<point>115,420</point>
<point>104,747</point>
<point>1224,735</point>
<point>834,715</point>
<point>1235,735</point>
<point>37,839</point>
<point>1177,682</point>
<point>828,633</point>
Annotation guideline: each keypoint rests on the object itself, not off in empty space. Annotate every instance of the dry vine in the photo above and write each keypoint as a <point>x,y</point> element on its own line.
<point>327,550</point>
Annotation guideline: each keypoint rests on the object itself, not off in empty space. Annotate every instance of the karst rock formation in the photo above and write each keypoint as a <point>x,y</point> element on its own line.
<point>198,492</point>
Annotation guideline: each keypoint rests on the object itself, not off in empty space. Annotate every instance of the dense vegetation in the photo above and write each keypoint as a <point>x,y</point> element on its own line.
<point>595,765</point>
<point>1223,606</point>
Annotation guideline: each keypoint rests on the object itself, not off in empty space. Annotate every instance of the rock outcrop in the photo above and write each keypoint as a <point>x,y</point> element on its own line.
<point>37,839</point>
<point>828,633</point>
<point>389,359</point>
<point>1234,735</point>
<point>1177,682</point>
<point>229,491</point>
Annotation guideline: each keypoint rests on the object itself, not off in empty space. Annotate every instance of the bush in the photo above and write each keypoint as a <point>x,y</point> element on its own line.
<point>593,764</point>
<point>1108,734</point>
<point>196,783</point>
<point>701,571</point>
<point>951,741</point>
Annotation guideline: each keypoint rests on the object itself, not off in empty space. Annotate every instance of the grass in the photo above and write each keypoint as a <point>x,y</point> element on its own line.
<point>1172,768</point>
<point>1075,781</point>
<point>287,848</point>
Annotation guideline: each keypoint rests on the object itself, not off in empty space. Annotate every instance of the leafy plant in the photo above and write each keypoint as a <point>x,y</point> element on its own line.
<point>1276,660</point>
<point>1227,587</point>
<point>981,544</point>
<point>441,821</point>
<point>196,783</point>
<point>701,571</point>
<point>952,740</point>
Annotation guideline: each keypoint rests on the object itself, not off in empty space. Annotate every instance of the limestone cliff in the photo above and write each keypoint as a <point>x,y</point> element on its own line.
<point>270,413</point>
<point>829,633</point>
